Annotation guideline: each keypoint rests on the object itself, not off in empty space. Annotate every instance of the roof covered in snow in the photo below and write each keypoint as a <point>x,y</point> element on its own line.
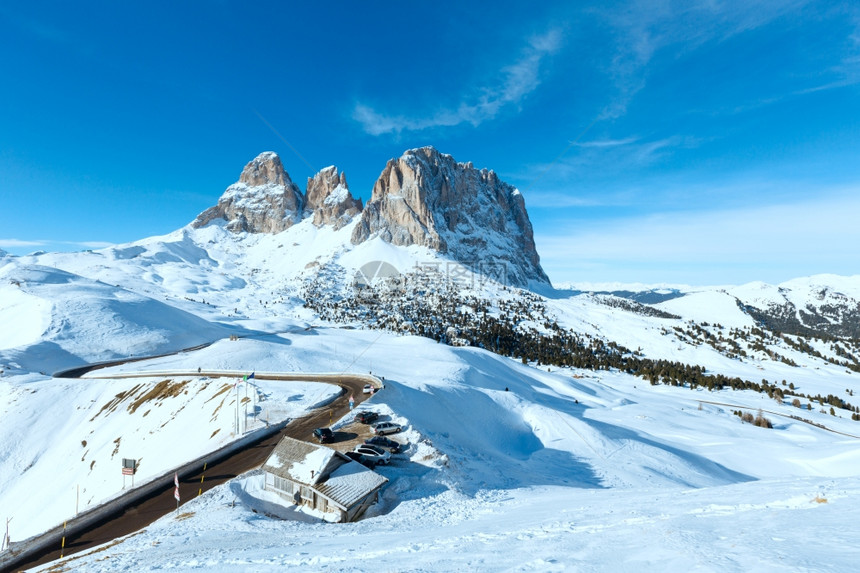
<point>302,462</point>
<point>349,483</point>
<point>328,471</point>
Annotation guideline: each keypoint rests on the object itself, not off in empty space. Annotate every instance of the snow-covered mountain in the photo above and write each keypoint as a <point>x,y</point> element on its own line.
<point>424,198</point>
<point>264,200</point>
<point>827,305</point>
<point>540,423</point>
<point>329,199</point>
<point>427,198</point>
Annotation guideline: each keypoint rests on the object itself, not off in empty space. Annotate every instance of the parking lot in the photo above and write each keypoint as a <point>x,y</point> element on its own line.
<point>354,433</point>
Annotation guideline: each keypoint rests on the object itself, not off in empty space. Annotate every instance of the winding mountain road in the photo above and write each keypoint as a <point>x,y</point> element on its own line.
<point>128,514</point>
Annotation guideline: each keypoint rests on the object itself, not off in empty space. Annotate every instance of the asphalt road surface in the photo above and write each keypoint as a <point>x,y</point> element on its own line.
<point>162,502</point>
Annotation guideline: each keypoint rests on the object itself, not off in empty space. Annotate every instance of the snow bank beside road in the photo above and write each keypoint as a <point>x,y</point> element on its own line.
<point>68,437</point>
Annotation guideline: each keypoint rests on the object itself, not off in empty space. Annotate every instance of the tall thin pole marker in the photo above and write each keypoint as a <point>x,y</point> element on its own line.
<point>202,475</point>
<point>176,489</point>
<point>7,541</point>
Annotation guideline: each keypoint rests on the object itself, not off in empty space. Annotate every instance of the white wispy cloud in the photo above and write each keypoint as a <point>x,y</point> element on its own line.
<point>42,243</point>
<point>598,156</point>
<point>517,81</point>
<point>90,244</point>
<point>646,28</point>
<point>568,199</point>
<point>846,72</point>
<point>20,243</point>
<point>607,142</point>
<point>794,239</point>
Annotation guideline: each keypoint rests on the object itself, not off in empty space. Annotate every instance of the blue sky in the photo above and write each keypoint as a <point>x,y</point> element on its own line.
<point>676,142</point>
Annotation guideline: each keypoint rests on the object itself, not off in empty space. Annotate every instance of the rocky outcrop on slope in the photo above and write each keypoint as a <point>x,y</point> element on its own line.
<point>329,199</point>
<point>427,198</point>
<point>264,200</point>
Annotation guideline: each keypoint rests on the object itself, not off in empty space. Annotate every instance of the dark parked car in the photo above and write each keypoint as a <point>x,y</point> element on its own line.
<point>387,443</point>
<point>364,460</point>
<point>323,435</point>
<point>366,417</point>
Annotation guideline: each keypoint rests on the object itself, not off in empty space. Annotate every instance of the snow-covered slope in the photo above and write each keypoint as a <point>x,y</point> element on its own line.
<point>520,467</point>
<point>519,464</point>
<point>52,319</point>
<point>774,525</point>
<point>64,440</point>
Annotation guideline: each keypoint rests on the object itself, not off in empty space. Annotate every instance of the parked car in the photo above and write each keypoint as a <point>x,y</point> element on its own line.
<point>383,428</point>
<point>368,389</point>
<point>378,455</point>
<point>385,443</point>
<point>324,435</point>
<point>366,417</point>
<point>363,459</point>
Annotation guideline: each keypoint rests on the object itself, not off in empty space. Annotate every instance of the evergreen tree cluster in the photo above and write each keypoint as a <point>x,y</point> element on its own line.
<point>518,324</point>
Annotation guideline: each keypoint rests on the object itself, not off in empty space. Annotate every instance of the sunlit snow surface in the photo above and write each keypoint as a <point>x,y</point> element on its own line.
<point>509,466</point>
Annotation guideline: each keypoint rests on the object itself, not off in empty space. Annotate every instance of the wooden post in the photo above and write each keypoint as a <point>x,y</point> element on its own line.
<point>7,541</point>
<point>202,475</point>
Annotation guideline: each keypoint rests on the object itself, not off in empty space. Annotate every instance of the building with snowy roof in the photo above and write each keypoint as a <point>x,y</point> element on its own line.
<point>321,478</point>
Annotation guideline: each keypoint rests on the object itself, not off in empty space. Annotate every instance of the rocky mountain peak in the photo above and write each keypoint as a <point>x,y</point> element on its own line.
<point>423,198</point>
<point>264,169</point>
<point>329,198</point>
<point>264,200</point>
<point>427,198</point>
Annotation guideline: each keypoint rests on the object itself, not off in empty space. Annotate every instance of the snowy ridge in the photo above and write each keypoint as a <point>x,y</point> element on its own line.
<point>68,320</point>
<point>509,463</point>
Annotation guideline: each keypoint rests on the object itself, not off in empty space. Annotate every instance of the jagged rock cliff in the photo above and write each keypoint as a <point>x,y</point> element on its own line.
<point>423,198</point>
<point>264,200</point>
<point>427,198</point>
<point>329,199</point>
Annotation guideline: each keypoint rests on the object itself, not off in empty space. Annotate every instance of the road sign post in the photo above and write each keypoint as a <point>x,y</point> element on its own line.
<point>129,468</point>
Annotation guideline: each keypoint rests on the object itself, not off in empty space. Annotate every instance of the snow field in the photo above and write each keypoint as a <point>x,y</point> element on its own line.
<point>509,466</point>
<point>65,439</point>
<point>757,526</point>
